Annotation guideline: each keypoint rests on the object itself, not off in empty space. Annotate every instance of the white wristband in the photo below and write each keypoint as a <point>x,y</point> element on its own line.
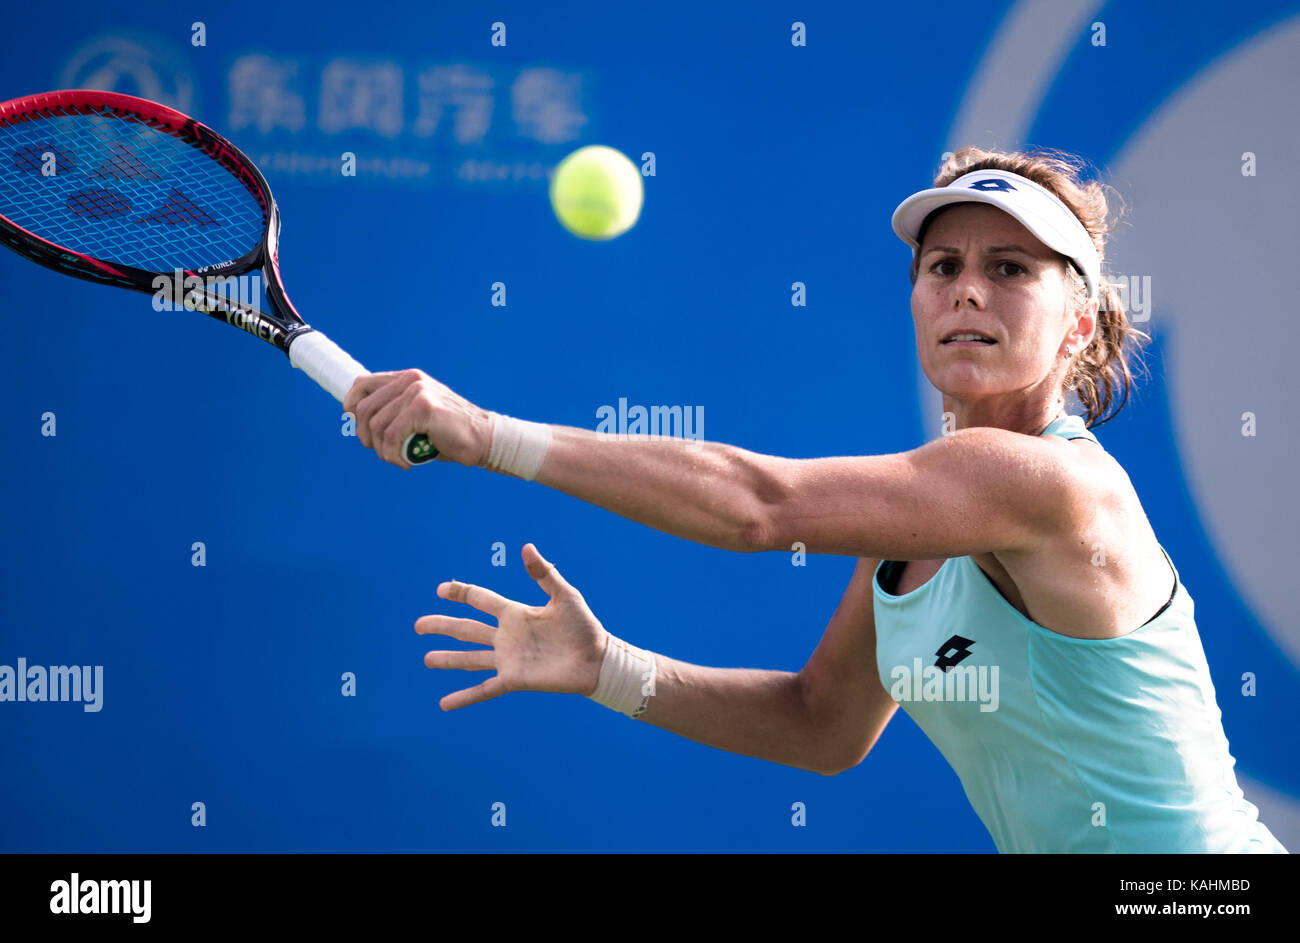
<point>627,678</point>
<point>518,447</point>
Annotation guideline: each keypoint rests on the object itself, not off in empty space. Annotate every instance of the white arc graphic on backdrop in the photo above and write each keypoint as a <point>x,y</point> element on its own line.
<point>1218,247</point>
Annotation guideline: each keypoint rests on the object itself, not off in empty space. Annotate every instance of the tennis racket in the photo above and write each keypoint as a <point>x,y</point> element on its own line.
<point>124,191</point>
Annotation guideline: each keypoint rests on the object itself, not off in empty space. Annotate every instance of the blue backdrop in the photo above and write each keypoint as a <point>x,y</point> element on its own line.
<point>774,163</point>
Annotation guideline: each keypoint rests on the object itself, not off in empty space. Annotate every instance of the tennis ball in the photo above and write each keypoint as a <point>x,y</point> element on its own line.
<point>596,192</point>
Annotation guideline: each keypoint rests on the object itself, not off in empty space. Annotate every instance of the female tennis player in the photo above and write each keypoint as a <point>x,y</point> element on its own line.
<point>1010,593</point>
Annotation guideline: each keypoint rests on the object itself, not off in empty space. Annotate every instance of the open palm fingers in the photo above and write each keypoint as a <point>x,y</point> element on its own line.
<point>492,687</point>
<point>464,630</point>
<point>484,659</point>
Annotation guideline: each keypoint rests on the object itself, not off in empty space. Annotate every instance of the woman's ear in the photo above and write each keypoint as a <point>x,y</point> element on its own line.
<point>1088,325</point>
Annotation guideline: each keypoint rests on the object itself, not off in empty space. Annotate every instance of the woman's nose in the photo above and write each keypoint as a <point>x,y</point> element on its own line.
<point>968,288</point>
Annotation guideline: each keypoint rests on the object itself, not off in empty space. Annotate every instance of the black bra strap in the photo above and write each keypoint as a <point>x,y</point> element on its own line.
<point>891,571</point>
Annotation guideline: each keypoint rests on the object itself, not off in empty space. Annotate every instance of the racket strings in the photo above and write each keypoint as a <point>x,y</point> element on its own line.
<point>123,189</point>
<point>97,203</point>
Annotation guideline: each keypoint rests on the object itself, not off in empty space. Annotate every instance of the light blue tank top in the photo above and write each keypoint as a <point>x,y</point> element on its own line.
<point>1065,744</point>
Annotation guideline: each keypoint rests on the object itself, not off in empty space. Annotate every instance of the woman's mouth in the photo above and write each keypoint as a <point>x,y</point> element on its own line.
<point>968,340</point>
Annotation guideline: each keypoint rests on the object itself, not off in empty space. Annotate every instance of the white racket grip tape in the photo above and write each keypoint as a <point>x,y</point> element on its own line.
<point>325,362</point>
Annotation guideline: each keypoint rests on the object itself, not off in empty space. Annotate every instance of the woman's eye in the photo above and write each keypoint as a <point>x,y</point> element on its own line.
<point>949,267</point>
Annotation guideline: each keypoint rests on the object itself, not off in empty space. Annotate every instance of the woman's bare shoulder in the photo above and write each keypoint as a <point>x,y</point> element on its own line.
<point>1106,575</point>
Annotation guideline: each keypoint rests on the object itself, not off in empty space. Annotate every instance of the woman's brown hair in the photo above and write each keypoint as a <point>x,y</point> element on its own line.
<point>1100,374</point>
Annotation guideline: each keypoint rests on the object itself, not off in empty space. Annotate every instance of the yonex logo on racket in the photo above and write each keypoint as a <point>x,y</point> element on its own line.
<point>183,291</point>
<point>218,267</point>
<point>234,297</point>
<point>254,324</point>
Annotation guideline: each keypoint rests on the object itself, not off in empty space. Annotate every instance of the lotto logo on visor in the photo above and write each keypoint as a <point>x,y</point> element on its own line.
<point>1037,209</point>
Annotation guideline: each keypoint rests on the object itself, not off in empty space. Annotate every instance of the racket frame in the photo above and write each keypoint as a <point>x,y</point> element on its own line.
<point>280,328</point>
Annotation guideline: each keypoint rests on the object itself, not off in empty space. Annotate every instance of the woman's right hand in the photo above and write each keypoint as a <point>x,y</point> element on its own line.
<point>391,407</point>
<point>558,647</point>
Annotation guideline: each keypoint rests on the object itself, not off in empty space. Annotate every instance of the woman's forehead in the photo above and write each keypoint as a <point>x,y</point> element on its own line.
<point>978,225</point>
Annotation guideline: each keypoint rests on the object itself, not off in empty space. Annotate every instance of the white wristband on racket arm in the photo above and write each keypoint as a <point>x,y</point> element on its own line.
<point>518,447</point>
<point>627,678</point>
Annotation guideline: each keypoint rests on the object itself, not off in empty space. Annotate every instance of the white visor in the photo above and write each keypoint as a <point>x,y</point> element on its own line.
<point>1035,207</point>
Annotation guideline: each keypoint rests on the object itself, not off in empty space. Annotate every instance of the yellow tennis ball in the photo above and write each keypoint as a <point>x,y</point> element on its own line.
<point>596,192</point>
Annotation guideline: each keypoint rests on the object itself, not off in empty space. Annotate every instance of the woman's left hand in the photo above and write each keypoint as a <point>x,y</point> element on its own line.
<point>558,647</point>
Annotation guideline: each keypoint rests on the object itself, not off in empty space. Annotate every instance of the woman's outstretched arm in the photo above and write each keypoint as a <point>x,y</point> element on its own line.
<point>823,718</point>
<point>974,491</point>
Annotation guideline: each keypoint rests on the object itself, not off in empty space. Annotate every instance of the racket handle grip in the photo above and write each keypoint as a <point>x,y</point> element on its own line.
<point>330,365</point>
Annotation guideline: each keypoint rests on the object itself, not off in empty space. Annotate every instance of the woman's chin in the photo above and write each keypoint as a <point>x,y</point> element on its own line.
<point>966,381</point>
